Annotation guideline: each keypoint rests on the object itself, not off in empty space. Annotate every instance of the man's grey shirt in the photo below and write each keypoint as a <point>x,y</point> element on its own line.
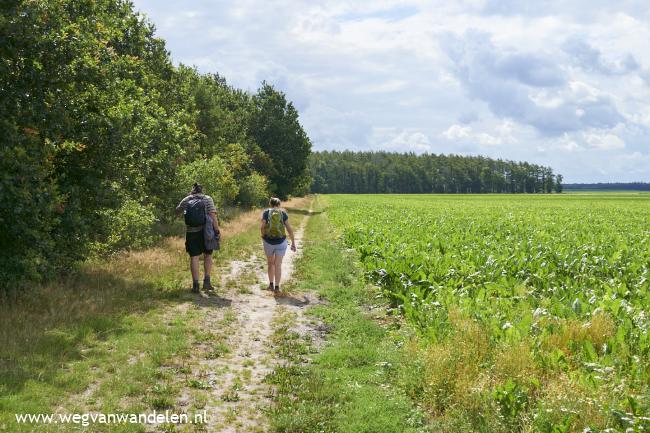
<point>209,207</point>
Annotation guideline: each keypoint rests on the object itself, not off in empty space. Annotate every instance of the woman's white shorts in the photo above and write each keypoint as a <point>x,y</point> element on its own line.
<point>275,250</point>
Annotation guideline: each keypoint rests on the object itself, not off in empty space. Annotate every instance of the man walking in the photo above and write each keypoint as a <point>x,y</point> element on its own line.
<point>198,210</point>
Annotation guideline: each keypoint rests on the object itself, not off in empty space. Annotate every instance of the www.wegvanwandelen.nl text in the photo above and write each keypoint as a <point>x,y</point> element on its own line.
<point>86,419</point>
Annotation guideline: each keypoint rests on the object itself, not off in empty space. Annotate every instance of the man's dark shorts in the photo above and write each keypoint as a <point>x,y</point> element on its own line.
<point>195,245</point>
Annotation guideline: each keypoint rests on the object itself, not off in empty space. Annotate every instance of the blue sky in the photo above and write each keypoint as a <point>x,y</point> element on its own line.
<point>561,83</point>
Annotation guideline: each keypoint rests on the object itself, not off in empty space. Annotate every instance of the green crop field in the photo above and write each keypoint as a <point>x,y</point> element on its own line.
<point>529,313</point>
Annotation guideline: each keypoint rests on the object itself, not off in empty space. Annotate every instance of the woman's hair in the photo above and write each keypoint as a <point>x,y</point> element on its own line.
<point>274,202</point>
<point>197,188</point>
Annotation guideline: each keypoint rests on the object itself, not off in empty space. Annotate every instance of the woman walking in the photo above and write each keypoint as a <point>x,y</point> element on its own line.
<point>274,226</point>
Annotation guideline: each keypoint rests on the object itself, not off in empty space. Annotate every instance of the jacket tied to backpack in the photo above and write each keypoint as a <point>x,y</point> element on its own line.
<point>211,237</point>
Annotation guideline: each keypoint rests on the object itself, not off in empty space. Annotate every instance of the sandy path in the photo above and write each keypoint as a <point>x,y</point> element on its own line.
<point>238,395</point>
<point>223,372</point>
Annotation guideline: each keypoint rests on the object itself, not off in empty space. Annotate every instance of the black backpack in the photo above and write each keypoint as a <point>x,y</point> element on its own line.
<point>195,212</point>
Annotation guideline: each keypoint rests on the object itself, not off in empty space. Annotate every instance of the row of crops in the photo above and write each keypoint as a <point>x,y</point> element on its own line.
<point>531,312</point>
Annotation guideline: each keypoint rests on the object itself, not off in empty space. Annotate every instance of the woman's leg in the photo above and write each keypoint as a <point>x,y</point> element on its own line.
<point>270,261</point>
<point>278,269</point>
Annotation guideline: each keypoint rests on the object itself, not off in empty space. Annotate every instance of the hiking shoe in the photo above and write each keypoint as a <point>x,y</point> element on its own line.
<point>195,288</point>
<point>208,287</point>
<point>270,287</point>
<point>276,289</point>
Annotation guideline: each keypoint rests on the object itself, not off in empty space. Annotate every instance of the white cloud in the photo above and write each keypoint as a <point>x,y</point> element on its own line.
<point>384,87</point>
<point>455,132</point>
<point>399,140</point>
<point>560,83</point>
<point>567,144</point>
<point>605,141</point>
<point>411,141</point>
<point>502,134</point>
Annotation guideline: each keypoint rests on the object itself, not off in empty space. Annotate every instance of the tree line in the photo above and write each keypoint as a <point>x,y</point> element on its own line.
<point>102,135</point>
<point>383,172</point>
<point>608,186</point>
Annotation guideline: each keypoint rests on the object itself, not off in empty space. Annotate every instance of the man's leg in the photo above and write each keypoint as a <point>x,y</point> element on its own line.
<point>270,261</point>
<point>207,265</point>
<point>194,268</point>
<point>207,269</point>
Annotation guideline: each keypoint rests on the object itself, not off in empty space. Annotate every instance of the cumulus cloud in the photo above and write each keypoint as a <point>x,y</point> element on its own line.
<point>499,135</point>
<point>507,79</point>
<point>337,129</point>
<point>468,117</point>
<point>575,9</point>
<point>604,140</point>
<point>454,132</point>
<point>560,83</point>
<point>399,140</point>
<point>592,59</point>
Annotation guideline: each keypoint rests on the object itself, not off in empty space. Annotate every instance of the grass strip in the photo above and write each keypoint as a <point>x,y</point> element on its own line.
<point>102,339</point>
<point>350,386</point>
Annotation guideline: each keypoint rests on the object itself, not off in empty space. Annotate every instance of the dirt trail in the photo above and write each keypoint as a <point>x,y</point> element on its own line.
<point>233,368</point>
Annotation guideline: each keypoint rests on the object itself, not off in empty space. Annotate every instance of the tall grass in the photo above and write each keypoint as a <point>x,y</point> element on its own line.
<point>100,337</point>
<point>348,386</point>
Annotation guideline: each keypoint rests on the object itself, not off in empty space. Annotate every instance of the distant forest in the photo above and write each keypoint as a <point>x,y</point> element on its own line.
<point>384,172</point>
<point>631,186</point>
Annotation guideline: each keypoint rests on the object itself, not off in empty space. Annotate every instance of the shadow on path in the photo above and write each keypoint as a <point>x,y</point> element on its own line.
<point>288,299</point>
<point>213,301</point>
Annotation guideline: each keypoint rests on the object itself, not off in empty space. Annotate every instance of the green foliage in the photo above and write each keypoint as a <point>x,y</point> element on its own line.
<point>127,227</point>
<point>383,172</point>
<point>217,179</point>
<point>275,128</point>
<point>221,113</point>
<point>543,297</point>
<point>98,124</point>
<point>302,185</point>
<point>82,98</point>
<point>350,385</point>
<point>29,201</point>
<point>253,190</point>
<point>512,399</point>
<point>558,184</point>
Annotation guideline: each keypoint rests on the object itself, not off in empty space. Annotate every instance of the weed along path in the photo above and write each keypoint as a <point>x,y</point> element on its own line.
<point>135,341</point>
<point>148,345</point>
<point>233,351</point>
